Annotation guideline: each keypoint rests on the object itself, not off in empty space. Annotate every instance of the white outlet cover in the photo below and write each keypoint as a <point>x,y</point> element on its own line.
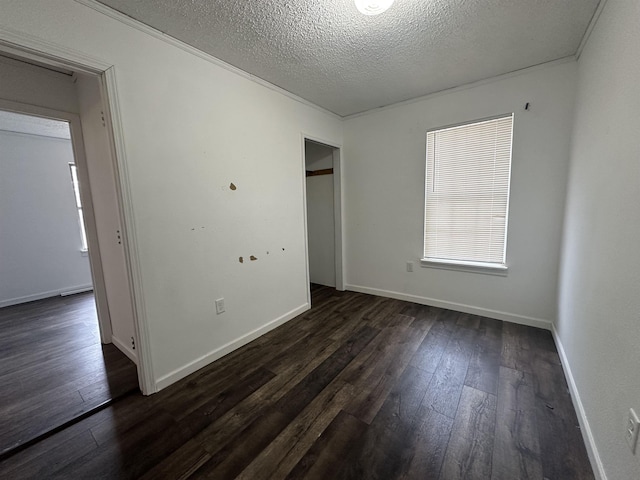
<point>220,306</point>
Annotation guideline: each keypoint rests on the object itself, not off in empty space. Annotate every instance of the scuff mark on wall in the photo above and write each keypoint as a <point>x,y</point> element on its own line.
<point>232,186</point>
<point>252,258</point>
<point>241,260</point>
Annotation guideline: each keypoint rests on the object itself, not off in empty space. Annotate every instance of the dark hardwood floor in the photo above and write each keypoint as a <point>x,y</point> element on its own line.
<point>53,367</point>
<point>359,387</point>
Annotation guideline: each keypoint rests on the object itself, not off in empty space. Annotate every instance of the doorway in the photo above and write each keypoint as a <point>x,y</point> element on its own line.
<point>323,213</point>
<point>75,366</point>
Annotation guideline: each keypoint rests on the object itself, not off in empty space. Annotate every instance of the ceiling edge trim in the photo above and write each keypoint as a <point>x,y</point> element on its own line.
<point>459,88</point>
<point>590,27</point>
<point>144,28</point>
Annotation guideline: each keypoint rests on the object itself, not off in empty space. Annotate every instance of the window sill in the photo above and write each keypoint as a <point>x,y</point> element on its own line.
<point>469,267</point>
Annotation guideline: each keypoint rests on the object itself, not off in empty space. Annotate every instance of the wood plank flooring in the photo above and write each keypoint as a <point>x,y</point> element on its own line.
<point>53,367</point>
<point>359,387</point>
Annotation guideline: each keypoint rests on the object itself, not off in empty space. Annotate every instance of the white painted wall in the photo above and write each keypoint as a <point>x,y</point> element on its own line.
<point>107,213</point>
<point>599,308</point>
<point>191,128</point>
<point>320,216</point>
<point>384,170</point>
<point>20,82</point>
<point>39,230</point>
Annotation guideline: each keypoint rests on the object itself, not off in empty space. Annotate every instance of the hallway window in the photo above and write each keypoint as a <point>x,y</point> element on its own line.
<point>76,191</point>
<point>468,168</point>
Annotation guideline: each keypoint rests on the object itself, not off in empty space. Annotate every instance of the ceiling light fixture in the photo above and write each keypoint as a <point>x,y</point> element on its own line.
<point>373,7</point>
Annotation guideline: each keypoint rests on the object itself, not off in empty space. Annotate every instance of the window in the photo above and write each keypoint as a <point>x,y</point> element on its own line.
<point>76,191</point>
<point>467,195</point>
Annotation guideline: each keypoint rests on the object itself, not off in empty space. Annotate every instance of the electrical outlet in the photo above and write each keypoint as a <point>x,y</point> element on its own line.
<point>220,306</point>
<point>631,433</point>
<point>409,266</point>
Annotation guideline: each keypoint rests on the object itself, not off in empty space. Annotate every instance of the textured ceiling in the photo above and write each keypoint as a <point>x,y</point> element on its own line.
<point>16,122</point>
<point>328,53</point>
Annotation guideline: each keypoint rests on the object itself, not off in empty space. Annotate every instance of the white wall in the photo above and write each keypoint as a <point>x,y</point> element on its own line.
<point>384,168</point>
<point>20,82</point>
<point>320,216</point>
<point>598,322</point>
<point>190,129</point>
<point>39,229</point>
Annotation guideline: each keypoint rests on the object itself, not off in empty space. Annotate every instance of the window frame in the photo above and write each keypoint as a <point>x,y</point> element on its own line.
<point>75,184</point>
<point>465,265</point>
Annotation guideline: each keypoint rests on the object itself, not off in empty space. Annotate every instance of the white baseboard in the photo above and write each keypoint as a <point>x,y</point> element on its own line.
<point>592,450</point>
<point>39,296</point>
<point>205,360</point>
<point>122,346</point>
<point>459,307</point>
<point>73,291</point>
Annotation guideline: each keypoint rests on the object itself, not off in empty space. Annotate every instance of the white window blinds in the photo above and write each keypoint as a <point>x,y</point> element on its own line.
<point>467,193</point>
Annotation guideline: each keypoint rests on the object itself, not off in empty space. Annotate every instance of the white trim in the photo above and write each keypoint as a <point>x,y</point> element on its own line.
<point>338,209</point>
<point>590,27</point>
<point>459,307</point>
<point>303,139</point>
<point>470,267</point>
<point>51,293</point>
<point>120,345</point>
<point>587,434</point>
<point>146,374</point>
<point>214,355</point>
<point>142,27</point>
<point>79,289</point>
<point>34,48</point>
<point>466,86</point>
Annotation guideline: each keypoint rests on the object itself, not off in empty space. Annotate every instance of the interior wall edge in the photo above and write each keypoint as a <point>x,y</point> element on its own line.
<point>458,307</point>
<point>229,347</point>
<point>585,427</point>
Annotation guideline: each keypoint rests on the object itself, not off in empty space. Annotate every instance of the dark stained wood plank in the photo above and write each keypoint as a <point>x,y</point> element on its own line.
<point>468,320</point>
<point>281,456</point>
<point>53,367</point>
<point>179,465</point>
<point>379,452</point>
<point>516,453</point>
<point>562,448</point>
<point>323,460</point>
<point>218,405</point>
<point>470,448</point>
<point>357,387</point>
<point>427,445</point>
<point>429,354</point>
<point>39,461</point>
<point>484,366</point>
<point>146,444</point>
<point>447,382</point>
<point>385,365</point>
<point>234,457</point>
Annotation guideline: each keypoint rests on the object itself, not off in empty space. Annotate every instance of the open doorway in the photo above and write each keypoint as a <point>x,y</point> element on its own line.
<point>67,341</point>
<point>323,214</point>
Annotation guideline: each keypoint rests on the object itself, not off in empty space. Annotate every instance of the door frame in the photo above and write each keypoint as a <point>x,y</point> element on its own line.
<point>337,210</point>
<point>80,160</point>
<point>29,47</point>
